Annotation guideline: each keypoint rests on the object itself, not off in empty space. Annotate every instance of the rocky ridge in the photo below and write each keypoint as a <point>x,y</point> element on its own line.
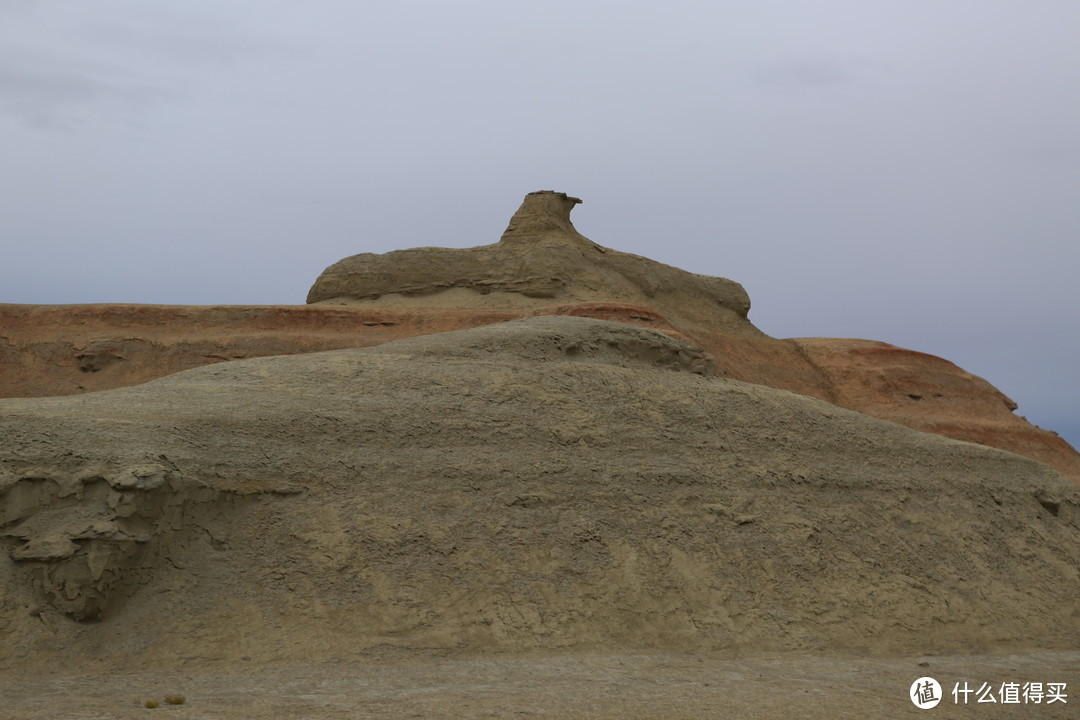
<point>540,260</point>
<point>600,492</point>
<point>541,266</point>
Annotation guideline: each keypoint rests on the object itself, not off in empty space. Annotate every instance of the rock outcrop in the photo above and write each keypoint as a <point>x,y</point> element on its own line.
<point>543,483</point>
<point>931,394</point>
<point>541,260</point>
<point>541,266</point>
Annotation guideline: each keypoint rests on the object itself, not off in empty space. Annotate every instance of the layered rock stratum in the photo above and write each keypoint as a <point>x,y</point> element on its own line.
<point>547,482</point>
<point>541,266</point>
<point>606,457</point>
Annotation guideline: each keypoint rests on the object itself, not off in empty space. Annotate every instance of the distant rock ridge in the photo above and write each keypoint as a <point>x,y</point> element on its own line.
<point>540,267</point>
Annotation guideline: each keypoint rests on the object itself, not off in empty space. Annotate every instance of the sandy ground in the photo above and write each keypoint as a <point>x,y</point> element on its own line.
<point>594,685</point>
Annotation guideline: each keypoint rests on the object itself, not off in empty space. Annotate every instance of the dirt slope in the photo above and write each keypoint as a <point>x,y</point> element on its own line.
<point>388,685</point>
<point>547,483</point>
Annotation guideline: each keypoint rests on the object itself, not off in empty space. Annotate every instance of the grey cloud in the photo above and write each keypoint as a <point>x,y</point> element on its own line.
<point>58,98</point>
<point>59,73</point>
<point>15,7</point>
<point>814,72</point>
<point>181,38</point>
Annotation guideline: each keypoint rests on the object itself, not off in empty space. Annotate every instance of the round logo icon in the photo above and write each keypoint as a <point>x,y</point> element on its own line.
<point>925,693</point>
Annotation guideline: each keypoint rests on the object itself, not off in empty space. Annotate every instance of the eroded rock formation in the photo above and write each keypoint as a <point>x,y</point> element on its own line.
<point>548,482</point>
<point>86,538</point>
<point>541,266</point>
<point>541,260</point>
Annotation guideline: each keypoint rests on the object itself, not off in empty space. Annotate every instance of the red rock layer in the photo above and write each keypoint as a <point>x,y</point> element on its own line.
<point>70,349</point>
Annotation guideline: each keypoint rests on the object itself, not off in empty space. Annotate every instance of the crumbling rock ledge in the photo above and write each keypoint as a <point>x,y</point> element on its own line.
<point>84,541</point>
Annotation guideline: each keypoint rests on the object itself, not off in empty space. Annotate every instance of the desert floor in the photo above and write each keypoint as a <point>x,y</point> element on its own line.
<point>411,684</point>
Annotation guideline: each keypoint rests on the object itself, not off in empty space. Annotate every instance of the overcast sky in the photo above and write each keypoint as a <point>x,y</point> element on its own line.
<point>899,170</point>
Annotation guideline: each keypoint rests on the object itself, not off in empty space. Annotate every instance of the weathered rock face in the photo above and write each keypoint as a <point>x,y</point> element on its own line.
<point>69,349</point>
<point>541,266</point>
<point>85,540</point>
<point>931,394</point>
<point>541,257</point>
<point>540,260</point>
<point>549,482</point>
